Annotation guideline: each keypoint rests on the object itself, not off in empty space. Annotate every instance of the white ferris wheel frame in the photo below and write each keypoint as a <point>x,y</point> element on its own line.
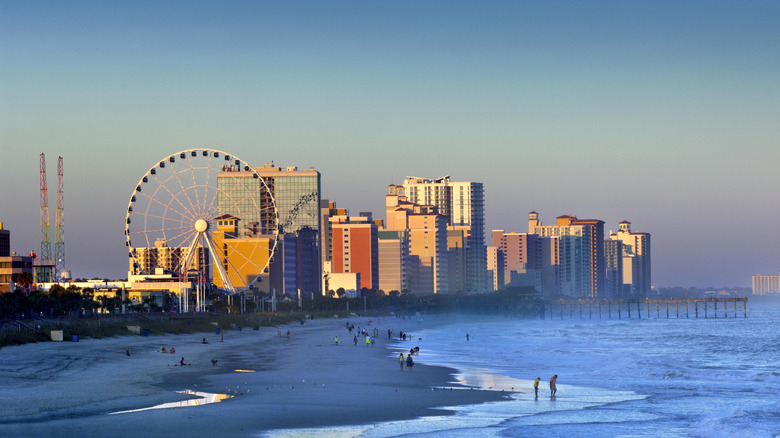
<point>197,218</point>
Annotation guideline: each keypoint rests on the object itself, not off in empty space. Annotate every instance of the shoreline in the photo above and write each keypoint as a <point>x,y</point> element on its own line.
<point>66,389</point>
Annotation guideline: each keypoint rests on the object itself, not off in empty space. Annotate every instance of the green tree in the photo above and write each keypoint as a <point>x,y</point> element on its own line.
<point>25,280</point>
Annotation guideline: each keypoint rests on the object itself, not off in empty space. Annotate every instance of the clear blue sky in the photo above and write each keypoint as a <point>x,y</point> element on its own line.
<point>662,113</point>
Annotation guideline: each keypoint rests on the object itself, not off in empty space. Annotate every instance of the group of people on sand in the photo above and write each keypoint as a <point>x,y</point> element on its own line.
<point>371,338</point>
<point>173,351</point>
<point>409,361</point>
<point>553,388</point>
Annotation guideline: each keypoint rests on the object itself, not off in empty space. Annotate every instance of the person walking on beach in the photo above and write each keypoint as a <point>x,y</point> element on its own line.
<point>389,333</point>
<point>536,387</point>
<point>354,339</point>
<point>368,341</point>
<point>337,340</point>
<point>409,362</point>
<point>401,360</point>
<point>553,389</point>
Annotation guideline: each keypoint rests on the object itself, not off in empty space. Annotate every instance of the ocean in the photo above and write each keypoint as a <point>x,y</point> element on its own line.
<point>648,377</point>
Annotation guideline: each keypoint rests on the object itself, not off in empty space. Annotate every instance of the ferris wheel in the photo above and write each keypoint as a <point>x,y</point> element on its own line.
<point>206,212</point>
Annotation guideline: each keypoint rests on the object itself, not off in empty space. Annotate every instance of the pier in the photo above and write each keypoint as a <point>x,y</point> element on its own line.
<point>648,308</point>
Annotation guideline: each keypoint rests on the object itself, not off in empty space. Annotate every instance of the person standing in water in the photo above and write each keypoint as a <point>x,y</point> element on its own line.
<point>401,361</point>
<point>536,387</point>
<point>553,389</point>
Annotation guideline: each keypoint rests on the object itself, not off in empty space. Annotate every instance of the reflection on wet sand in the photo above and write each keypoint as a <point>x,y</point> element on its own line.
<point>204,398</point>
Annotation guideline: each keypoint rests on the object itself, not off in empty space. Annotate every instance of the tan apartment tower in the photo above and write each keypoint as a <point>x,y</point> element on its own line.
<point>579,252</point>
<point>463,205</point>
<point>426,230</point>
<point>636,260</point>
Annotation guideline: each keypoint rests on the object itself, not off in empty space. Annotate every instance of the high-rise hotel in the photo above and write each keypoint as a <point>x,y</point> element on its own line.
<point>421,232</point>
<point>636,260</point>
<point>296,193</point>
<point>463,206</point>
<point>766,284</point>
<point>580,253</point>
<point>297,196</point>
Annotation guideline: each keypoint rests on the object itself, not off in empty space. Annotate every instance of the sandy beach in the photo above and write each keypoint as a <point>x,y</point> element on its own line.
<point>75,389</point>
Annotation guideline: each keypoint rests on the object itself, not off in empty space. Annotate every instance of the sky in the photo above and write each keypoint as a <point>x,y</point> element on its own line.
<point>662,113</point>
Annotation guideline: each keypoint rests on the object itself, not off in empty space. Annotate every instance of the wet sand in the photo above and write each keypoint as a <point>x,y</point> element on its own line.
<point>70,389</point>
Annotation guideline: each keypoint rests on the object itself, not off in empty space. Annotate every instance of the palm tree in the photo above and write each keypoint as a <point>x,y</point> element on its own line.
<point>25,280</point>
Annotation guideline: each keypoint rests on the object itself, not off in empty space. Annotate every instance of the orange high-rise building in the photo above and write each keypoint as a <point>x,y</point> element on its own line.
<point>354,248</point>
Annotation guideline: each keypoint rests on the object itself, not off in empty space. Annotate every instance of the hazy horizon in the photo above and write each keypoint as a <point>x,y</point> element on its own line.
<point>664,113</point>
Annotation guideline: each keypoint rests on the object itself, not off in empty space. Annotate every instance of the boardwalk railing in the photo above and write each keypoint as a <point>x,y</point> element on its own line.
<point>659,308</point>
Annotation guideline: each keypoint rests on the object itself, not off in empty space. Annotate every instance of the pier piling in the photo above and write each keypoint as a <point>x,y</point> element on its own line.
<point>561,304</point>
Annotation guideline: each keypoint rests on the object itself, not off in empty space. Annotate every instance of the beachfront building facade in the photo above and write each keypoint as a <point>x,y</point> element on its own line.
<point>528,260</point>
<point>5,241</point>
<point>393,246</point>
<point>12,265</point>
<point>170,259</point>
<point>457,254</point>
<point>636,260</point>
<point>355,249</point>
<point>427,261</point>
<point>613,268</point>
<point>246,257</point>
<point>296,193</point>
<point>296,196</point>
<point>766,284</point>
<point>495,266</point>
<point>327,210</point>
<point>579,254</point>
<point>463,206</point>
<point>522,258</point>
<point>428,251</point>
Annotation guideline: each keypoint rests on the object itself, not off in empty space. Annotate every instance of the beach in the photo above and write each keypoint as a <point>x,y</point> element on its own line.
<point>265,382</point>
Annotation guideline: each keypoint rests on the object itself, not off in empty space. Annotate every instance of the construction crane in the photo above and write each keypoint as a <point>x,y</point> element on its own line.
<point>59,227</point>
